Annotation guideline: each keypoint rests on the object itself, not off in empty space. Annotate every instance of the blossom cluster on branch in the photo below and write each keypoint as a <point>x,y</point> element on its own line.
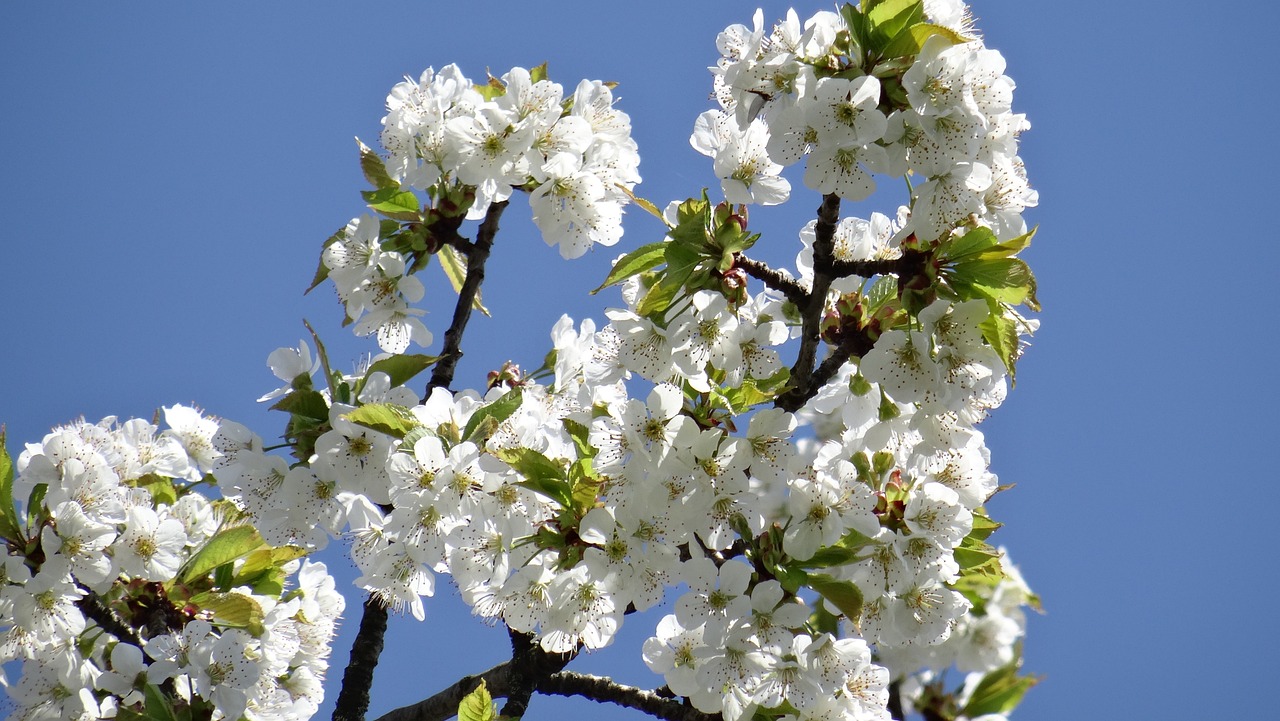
<point>796,450</point>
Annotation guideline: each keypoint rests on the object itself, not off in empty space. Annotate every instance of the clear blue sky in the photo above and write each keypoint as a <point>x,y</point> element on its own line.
<point>170,171</point>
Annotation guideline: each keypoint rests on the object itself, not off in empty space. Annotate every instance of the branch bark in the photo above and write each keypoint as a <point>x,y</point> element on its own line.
<point>811,311</point>
<point>477,256</point>
<point>353,698</point>
<point>444,704</point>
<point>604,690</point>
<point>773,279</point>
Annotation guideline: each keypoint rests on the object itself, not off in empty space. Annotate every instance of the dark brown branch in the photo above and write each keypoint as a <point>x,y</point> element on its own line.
<point>773,279</point>
<point>353,698</point>
<point>802,387</point>
<point>895,701</point>
<point>94,609</point>
<point>604,690</point>
<point>530,667</point>
<point>357,679</point>
<point>861,268</point>
<point>477,256</point>
<point>444,704</point>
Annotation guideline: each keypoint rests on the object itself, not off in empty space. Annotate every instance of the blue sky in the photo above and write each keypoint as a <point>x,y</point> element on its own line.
<point>171,170</point>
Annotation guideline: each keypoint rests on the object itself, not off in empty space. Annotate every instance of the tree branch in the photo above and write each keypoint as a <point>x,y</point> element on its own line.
<point>94,609</point>
<point>477,256</point>
<point>357,679</point>
<point>773,279</point>
<point>802,388</point>
<point>530,667</point>
<point>604,690</point>
<point>444,704</point>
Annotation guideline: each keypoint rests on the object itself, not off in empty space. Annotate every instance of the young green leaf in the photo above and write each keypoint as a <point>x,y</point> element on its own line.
<point>375,171</point>
<point>498,410</point>
<point>8,511</point>
<point>1000,691</point>
<point>455,269</point>
<point>399,368</point>
<point>322,270</point>
<point>844,595</point>
<point>232,609</point>
<point>226,546</point>
<point>393,203</point>
<point>646,257</point>
<point>387,418</point>
<point>477,705</point>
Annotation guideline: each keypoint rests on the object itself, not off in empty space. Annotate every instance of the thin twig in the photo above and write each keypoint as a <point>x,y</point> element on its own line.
<point>772,278</point>
<point>605,690</point>
<point>478,255</point>
<point>444,704</point>
<point>353,698</point>
<point>811,311</point>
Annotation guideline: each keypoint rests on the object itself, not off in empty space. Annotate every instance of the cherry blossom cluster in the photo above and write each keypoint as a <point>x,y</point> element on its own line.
<point>104,593</point>
<point>803,92</point>
<point>468,146</point>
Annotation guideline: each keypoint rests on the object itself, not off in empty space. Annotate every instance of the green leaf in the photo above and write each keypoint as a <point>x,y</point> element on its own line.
<point>970,244</point>
<point>498,410</point>
<point>387,418</point>
<point>844,595</point>
<point>36,511</point>
<point>975,555</point>
<point>477,705</point>
<point>226,546</point>
<point>661,295</point>
<point>308,404</point>
<point>1001,333</point>
<point>157,704</point>
<point>983,526</point>
<point>911,42</point>
<point>541,474</point>
<point>393,203</point>
<point>538,73</point>
<point>399,368</point>
<point>232,609</point>
<point>322,270</point>
<point>455,269</point>
<point>8,511</point>
<point>891,17</point>
<point>646,204</point>
<point>1000,691</point>
<point>264,559</point>
<point>375,171</point>
<point>646,257</point>
<point>580,434</point>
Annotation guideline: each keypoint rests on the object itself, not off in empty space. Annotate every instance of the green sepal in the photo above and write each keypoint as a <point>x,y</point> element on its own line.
<point>1000,691</point>
<point>393,203</point>
<point>388,418</point>
<point>646,257</point>
<point>375,171</point>
<point>498,411</point>
<point>844,595</point>
<point>225,546</point>
<point>399,368</point>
